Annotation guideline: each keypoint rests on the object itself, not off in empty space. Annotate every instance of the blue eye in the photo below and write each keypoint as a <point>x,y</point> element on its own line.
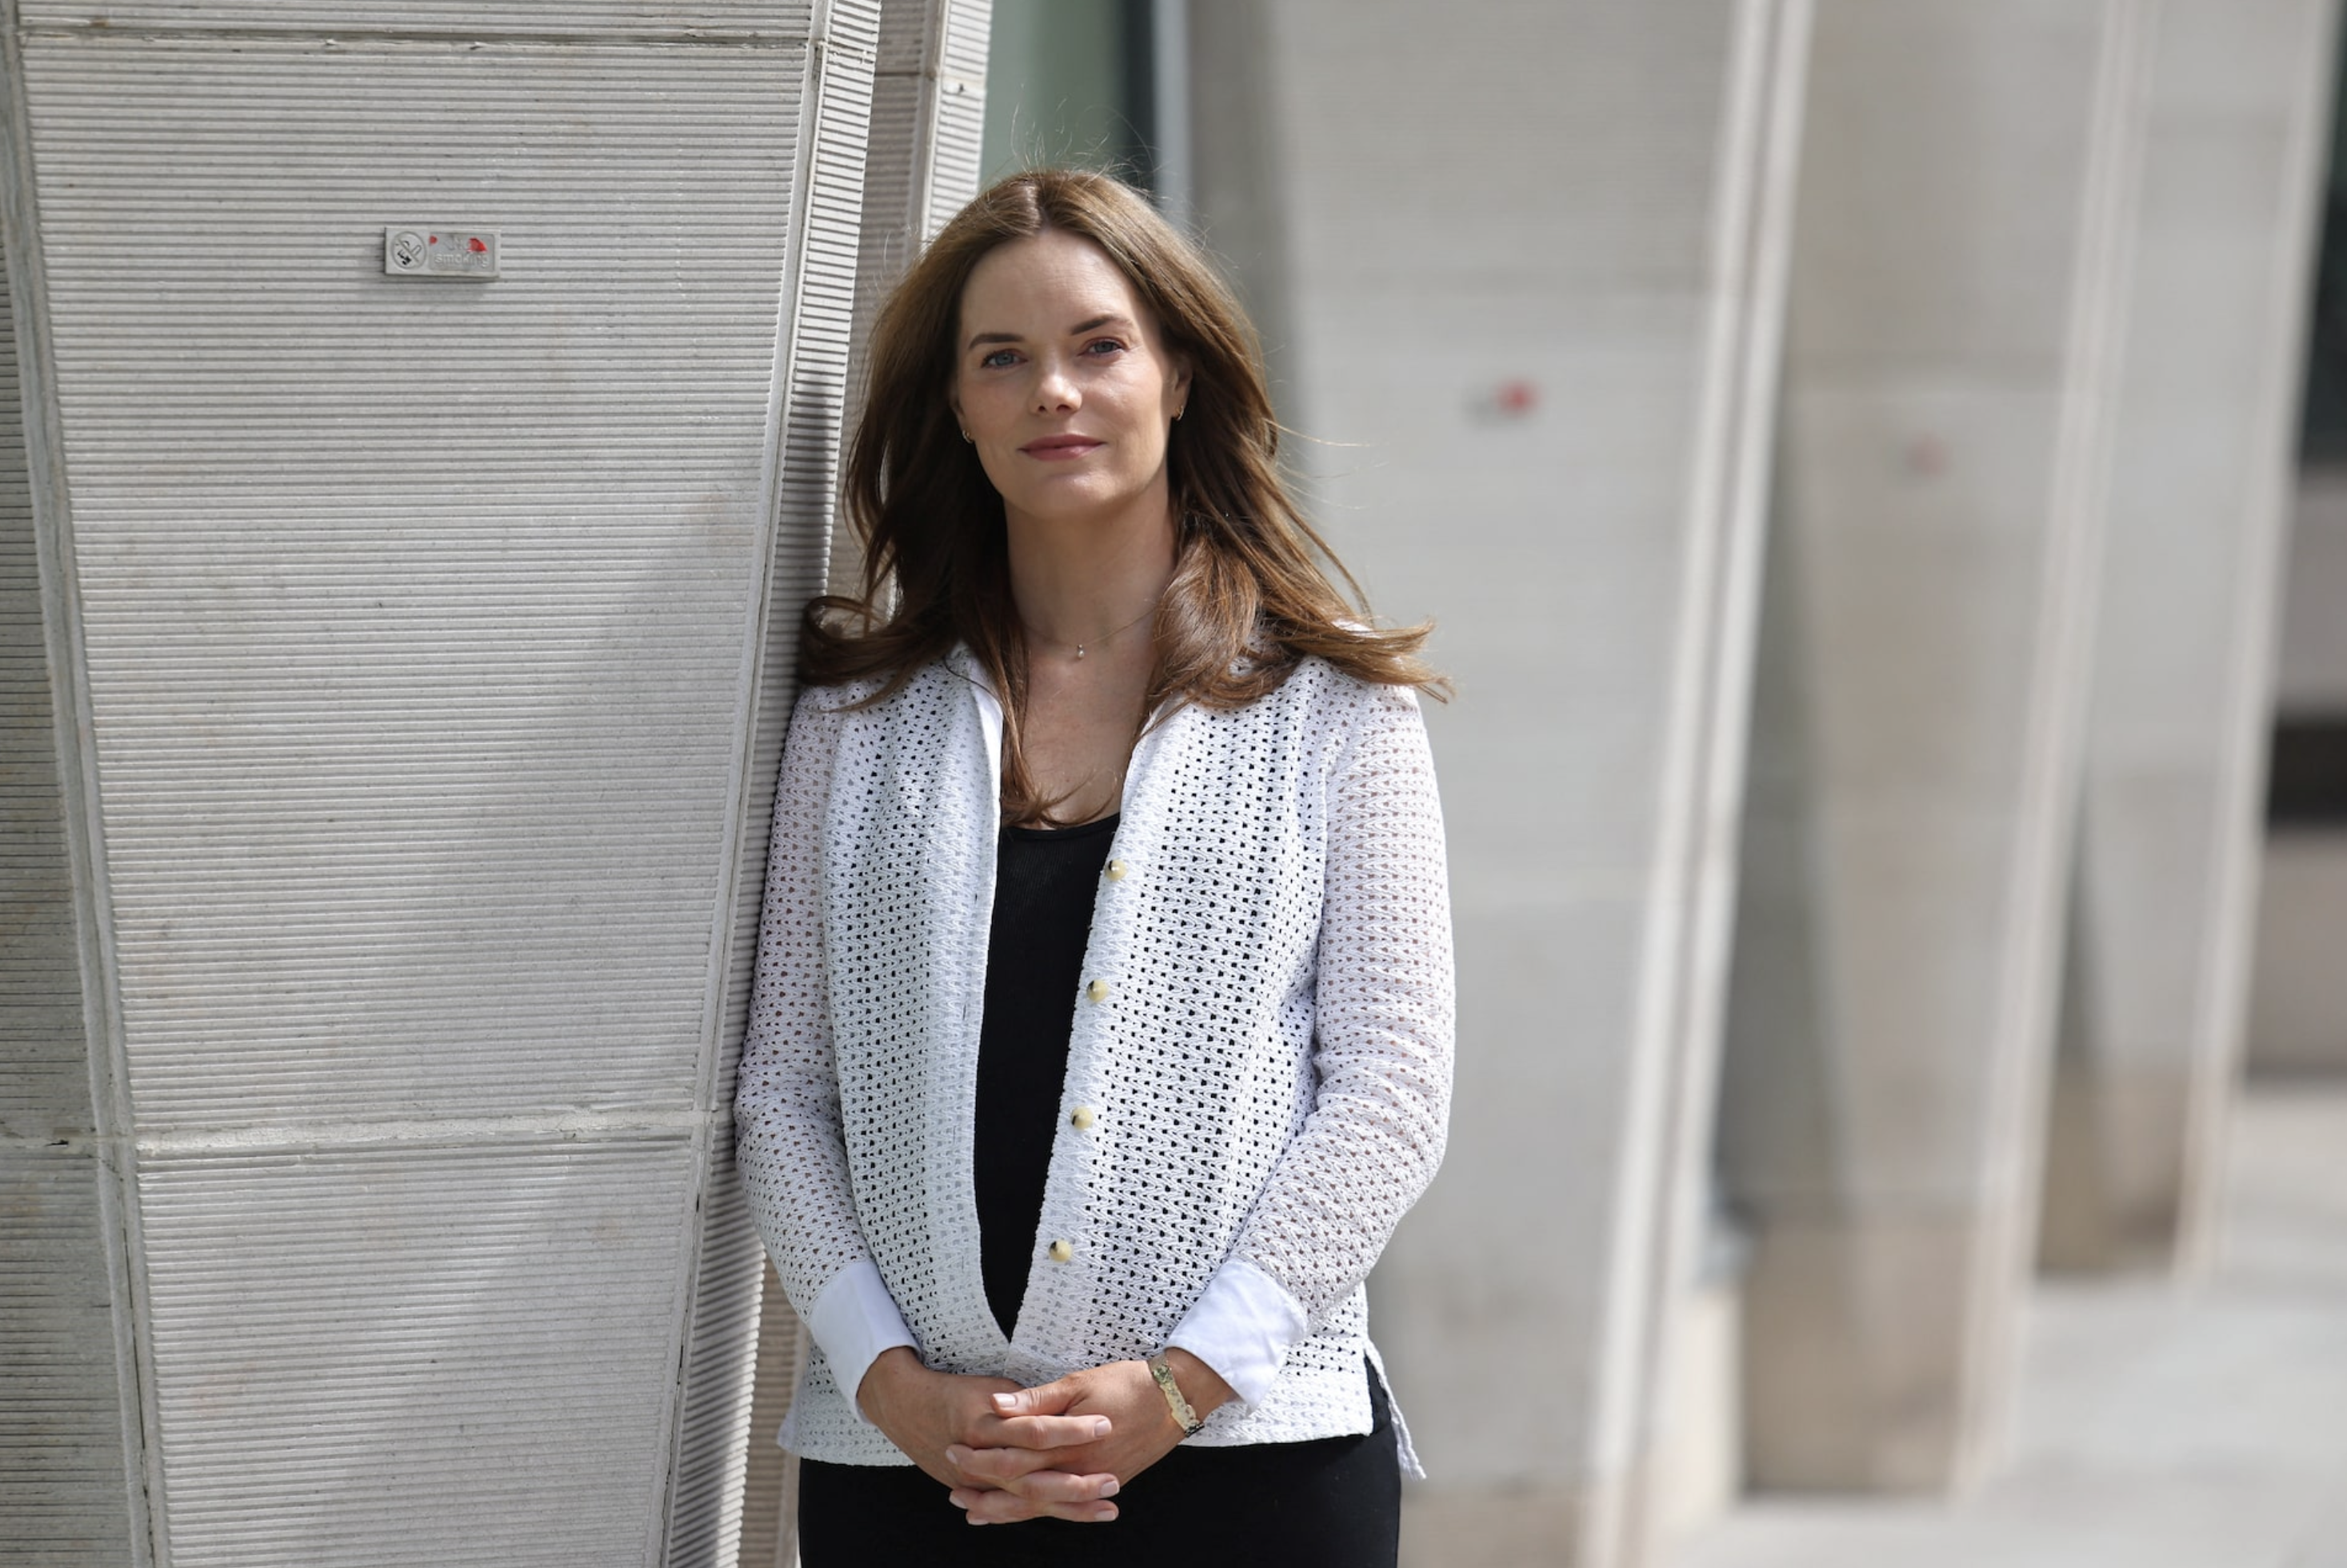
<point>1104,344</point>
<point>997,360</point>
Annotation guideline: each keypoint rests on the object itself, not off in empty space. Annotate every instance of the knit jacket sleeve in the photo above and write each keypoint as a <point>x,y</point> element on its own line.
<point>1384,998</point>
<point>787,1141</point>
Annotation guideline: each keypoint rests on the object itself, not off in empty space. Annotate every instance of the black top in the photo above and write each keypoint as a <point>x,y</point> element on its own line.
<point>1044,882</point>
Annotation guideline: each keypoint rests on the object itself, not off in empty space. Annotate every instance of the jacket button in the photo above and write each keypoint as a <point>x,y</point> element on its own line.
<point>1097,990</point>
<point>1115,871</point>
<point>1081,1118</point>
<point>1061,1252</point>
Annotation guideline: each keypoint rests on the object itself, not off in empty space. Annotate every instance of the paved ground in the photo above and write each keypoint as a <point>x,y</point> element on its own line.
<point>2161,1426</point>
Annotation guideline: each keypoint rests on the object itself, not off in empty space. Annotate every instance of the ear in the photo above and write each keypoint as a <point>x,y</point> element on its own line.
<point>1180,396</point>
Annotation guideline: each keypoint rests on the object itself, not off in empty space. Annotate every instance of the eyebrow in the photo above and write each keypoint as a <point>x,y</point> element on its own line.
<point>1094,324</point>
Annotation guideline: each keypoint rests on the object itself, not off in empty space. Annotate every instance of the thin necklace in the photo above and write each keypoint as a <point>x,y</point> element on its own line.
<point>1108,636</point>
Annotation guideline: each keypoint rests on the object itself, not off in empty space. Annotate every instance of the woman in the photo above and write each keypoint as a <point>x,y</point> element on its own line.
<point>1102,1024</point>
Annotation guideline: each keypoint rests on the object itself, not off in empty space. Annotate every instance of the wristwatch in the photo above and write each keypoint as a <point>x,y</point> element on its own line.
<point>1184,1416</point>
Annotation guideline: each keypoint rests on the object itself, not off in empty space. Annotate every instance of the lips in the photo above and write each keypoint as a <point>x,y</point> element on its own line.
<point>1052,448</point>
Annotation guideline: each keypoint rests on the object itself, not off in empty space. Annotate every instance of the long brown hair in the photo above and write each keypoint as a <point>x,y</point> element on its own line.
<point>1249,598</point>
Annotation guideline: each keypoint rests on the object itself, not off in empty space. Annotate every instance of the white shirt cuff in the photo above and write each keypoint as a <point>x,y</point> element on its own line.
<point>1242,1327</point>
<point>853,1320</point>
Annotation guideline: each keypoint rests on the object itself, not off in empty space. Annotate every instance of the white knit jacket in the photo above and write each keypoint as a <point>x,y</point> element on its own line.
<point>1258,1067</point>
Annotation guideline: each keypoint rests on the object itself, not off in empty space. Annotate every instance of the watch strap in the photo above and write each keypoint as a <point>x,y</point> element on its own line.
<point>1184,1416</point>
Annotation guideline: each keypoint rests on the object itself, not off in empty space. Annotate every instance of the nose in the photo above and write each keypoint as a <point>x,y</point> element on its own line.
<point>1055,388</point>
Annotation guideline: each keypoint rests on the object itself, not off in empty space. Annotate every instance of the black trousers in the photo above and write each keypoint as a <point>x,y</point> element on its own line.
<point>1334,1502</point>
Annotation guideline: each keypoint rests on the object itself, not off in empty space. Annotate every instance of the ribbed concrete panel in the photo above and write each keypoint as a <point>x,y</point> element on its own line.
<point>45,1092</point>
<point>381,1356</point>
<point>918,36</point>
<point>62,1494</point>
<point>712,1428</point>
<point>770,1502</point>
<point>63,1498</point>
<point>962,30</point>
<point>685,20</point>
<point>713,1435</point>
<point>416,612</point>
<point>928,112</point>
<point>434,651</point>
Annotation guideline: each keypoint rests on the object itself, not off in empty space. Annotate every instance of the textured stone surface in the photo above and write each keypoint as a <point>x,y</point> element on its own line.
<point>420,656</point>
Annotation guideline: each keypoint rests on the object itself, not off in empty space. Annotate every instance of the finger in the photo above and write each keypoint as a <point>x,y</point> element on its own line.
<point>1050,1486</point>
<point>972,1502</point>
<point>1043,1399</point>
<point>1011,1512</point>
<point>1045,1432</point>
<point>992,1467</point>
<point>1004,1508</point>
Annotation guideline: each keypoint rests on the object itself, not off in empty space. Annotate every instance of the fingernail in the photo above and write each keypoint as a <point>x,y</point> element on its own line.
<point>956,1453</point>
<point>1110,1489</point>
<point>1005,1401</point>
<point>1100,1427</point>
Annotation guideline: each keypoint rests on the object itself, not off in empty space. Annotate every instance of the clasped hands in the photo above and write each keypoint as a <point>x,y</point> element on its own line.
<point>1060,1449</point>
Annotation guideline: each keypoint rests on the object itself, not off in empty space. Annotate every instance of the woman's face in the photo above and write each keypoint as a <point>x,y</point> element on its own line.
<point>1063,383</point>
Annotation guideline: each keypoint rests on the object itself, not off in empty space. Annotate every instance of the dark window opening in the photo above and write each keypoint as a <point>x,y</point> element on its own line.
<point>2308,785</point>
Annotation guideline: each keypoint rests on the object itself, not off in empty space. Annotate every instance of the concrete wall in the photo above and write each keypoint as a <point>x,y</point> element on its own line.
<point>416,690</point>
<point>1535,329</point>
<point>2172,810</point>
<point>1948,384</point>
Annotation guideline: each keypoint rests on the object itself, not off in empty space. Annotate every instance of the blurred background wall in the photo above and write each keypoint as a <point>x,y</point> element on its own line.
<point>1854,451</point>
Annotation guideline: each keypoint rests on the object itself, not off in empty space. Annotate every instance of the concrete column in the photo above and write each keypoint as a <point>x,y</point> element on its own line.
<point>1924,648</point>
<point>2170,823</point>
<point>387,733</point>
<point>1534,320</point>
<point>929,120</point>
<point>921,158</point>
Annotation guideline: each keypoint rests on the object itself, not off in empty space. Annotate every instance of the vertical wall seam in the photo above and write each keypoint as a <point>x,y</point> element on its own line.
<point>77,777</point>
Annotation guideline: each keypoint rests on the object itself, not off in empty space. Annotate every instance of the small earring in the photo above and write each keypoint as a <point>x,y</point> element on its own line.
<point>1179,412</point>
<point>967,436</point>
